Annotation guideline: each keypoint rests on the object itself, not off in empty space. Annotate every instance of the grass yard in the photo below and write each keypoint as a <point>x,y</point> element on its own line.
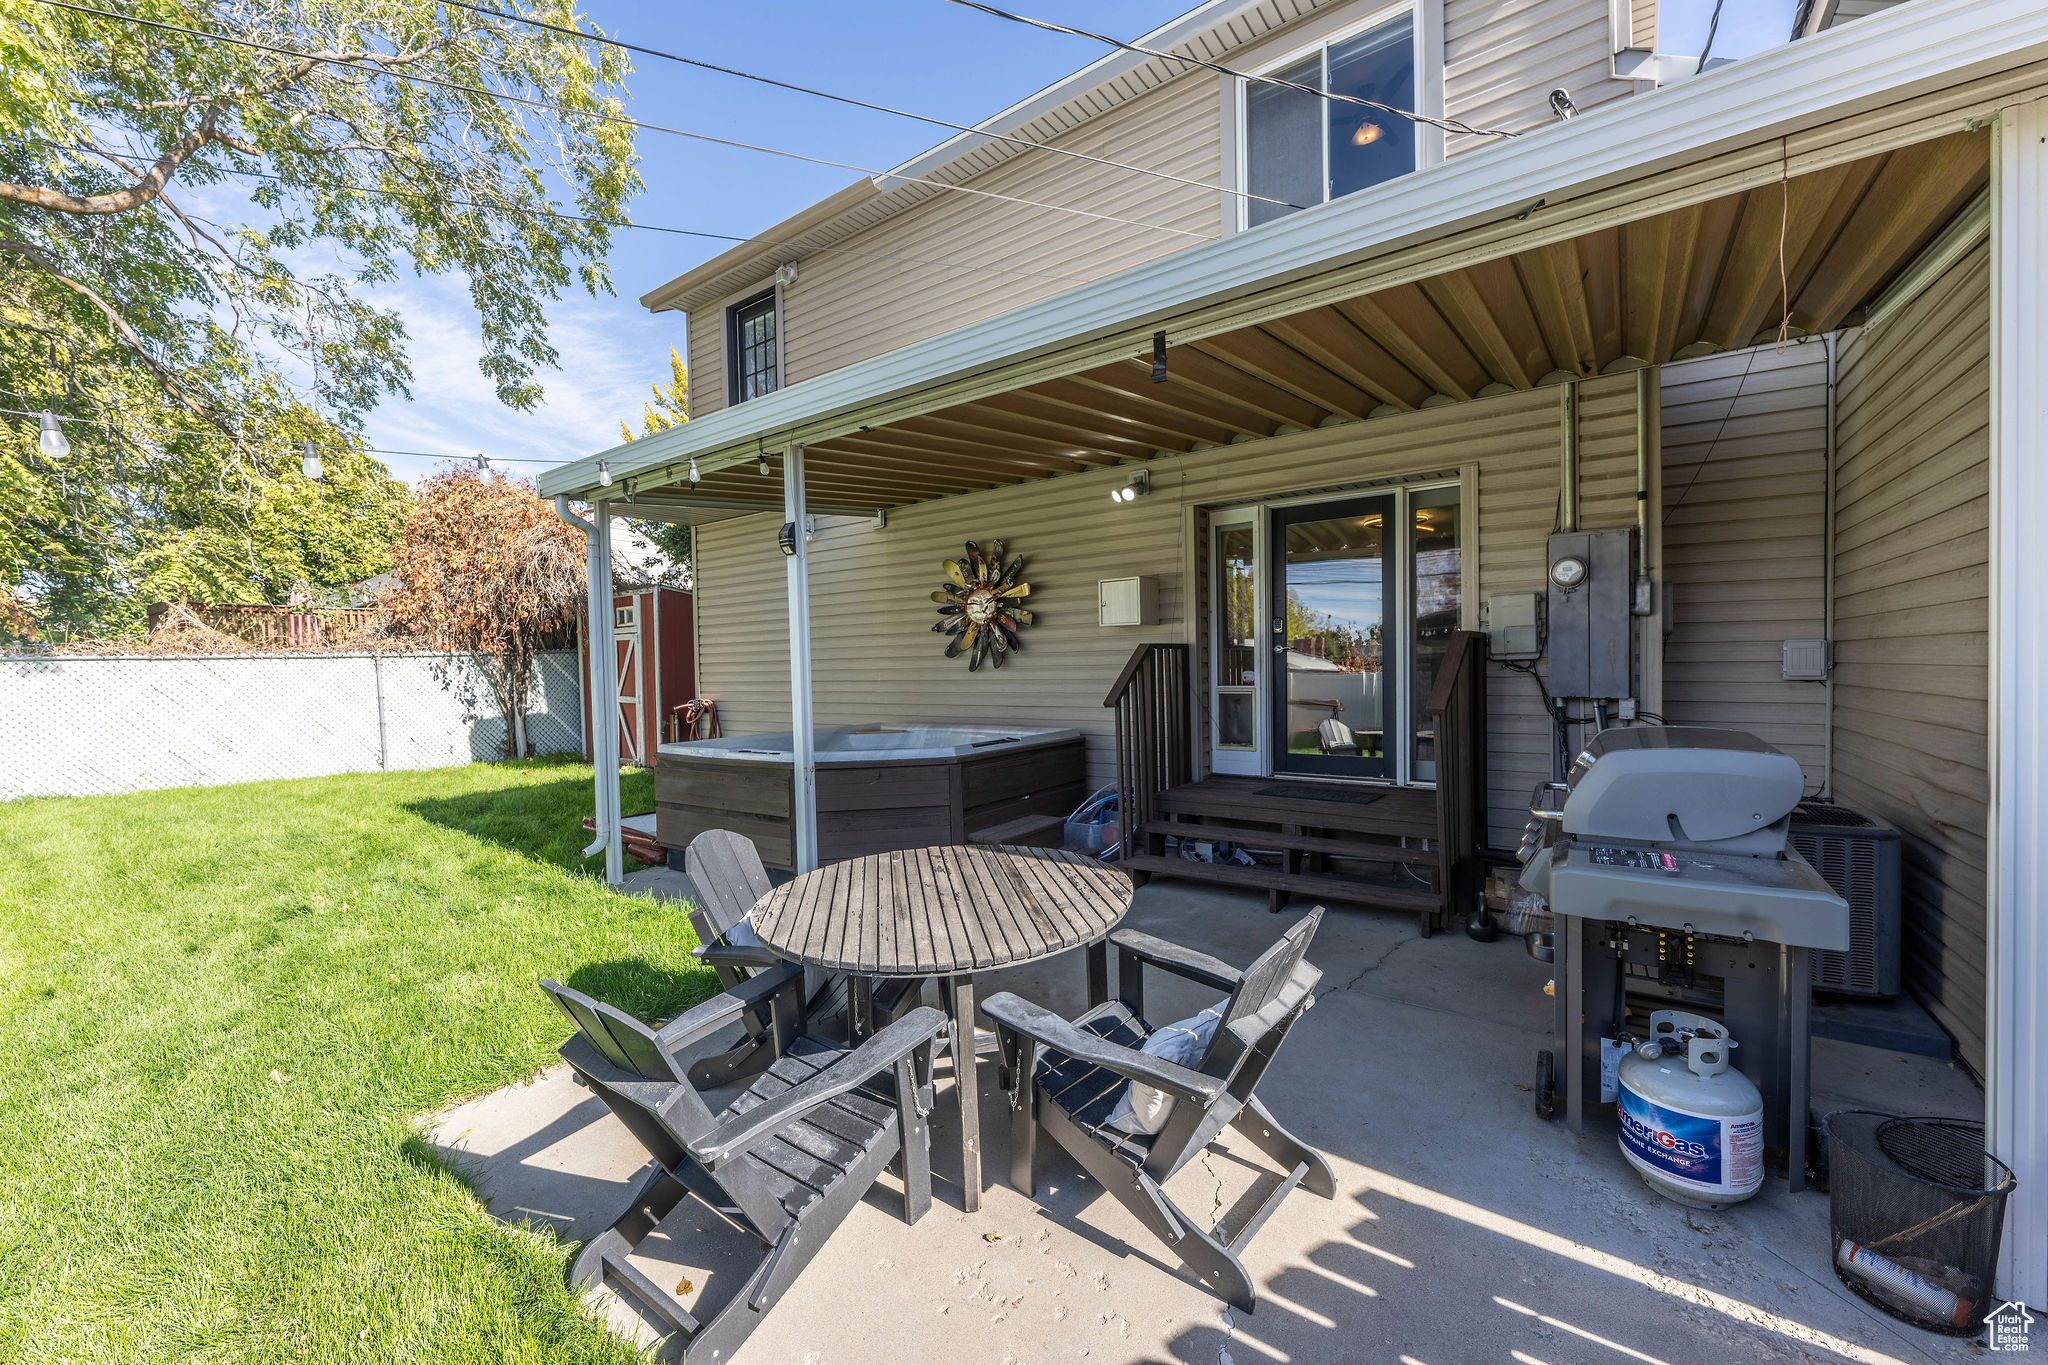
<point>223,1009</point>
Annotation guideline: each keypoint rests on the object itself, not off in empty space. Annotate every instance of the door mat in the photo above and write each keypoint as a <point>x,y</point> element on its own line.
<point>1305,791</point>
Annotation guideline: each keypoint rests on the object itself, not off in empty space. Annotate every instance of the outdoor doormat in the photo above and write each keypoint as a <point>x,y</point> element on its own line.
<point>1303,791</point>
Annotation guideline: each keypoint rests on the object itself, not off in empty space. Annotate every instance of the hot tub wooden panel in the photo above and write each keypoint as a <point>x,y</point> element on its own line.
<point>866,806</point>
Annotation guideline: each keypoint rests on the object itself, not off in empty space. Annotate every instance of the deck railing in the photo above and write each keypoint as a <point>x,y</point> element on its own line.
<point>1457,702</point>
<point>1154,733</point>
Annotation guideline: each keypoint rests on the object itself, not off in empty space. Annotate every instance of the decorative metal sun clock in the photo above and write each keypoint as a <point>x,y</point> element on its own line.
<point>979,609</point>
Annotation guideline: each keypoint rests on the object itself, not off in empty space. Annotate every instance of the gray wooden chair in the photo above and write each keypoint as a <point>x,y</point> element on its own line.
<point>1078,1070</point>
<point>726,871</point>
<point>787,1160</point>
<point>1335,737</point>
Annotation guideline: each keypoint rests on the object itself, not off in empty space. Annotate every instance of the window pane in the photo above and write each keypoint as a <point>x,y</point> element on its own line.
<point>1336,605</point>
<point>753,338</point>
<point>1366,146</point>
<point>1284,142</point>
<point>1235,661</point>
<point>1437,583</point>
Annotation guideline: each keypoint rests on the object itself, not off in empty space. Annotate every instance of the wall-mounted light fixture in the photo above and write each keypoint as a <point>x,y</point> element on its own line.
<point>785,539</point>
<point>785,275</point>
<point>1138,487</point>
<point>309,461</point>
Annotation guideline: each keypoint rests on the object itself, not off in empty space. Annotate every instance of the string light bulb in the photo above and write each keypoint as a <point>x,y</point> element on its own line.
<point>762,465</point>
<point>309,461</point>
<point>51,440</point>
<point>695,477</point>
<point>604,473</point>
<point>483,461</point>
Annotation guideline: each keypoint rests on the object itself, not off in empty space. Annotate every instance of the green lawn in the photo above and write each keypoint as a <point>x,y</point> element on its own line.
<point>223,1009</point>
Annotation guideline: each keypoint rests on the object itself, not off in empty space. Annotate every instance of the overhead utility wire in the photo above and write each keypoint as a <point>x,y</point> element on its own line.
<point>1449,125</point>
<point>865,104</point>
<point>343,187</point>
<point>323,445</point>
<point>612,118</point>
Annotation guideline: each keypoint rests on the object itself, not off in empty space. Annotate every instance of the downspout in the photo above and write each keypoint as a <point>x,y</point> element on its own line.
<point>1832,341</point>
<point>803,734</point>
<point>604,687</point>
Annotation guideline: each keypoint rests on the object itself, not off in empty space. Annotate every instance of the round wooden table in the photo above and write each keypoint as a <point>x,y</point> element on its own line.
<point>947,913</point>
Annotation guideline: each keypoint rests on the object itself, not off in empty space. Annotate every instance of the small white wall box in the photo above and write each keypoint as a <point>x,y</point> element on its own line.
<point>1128,601</point>
<point>1806,661</point>
<point>1511,625</point>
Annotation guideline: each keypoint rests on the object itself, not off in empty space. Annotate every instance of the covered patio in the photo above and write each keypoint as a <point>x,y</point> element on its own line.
<point>1524,291</point>
<point>1464,1228</point>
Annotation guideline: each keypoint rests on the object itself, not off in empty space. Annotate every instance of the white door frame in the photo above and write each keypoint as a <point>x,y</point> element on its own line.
<point>2016,1005</point>
<point>1256,761</point>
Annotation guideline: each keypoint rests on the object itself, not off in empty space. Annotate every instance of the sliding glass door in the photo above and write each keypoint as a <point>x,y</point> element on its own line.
<point>1331,617</point>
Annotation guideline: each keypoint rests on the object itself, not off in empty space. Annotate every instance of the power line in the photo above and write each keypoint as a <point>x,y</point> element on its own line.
<point>323,445</point>
<point>1449,125</point>
<point>863,104</point>
<point>558,215</point>
<point>871,172</point>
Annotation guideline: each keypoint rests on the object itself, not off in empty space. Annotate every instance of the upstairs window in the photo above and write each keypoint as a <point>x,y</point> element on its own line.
<point>750,328</point>
<point>1306,150</point>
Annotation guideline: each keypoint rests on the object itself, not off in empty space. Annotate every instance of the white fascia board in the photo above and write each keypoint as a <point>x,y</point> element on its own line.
<point>1167,36</point>
<point>1909,51</point>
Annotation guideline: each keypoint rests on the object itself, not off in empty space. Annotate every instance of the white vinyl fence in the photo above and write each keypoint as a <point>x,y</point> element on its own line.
<point>89,726</point>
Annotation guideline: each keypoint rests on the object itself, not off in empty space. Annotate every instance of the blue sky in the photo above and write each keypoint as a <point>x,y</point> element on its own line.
<point>922,55</point>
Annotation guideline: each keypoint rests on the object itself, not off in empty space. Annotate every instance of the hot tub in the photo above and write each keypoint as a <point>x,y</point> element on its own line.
<point>880,787</point>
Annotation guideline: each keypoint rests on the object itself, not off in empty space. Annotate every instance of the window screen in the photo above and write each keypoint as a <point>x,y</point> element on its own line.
<point>1304,150</point>
<point>751,345</point>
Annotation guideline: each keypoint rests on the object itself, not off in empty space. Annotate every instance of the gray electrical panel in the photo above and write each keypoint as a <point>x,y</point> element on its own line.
<point>1511,626</point>
<point>1590,591</point>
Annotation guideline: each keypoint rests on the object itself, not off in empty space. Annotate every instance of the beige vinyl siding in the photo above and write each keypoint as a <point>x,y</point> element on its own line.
<point>876,659</point>
<point>1745,543</point>
<point>1642,23</point>
<point>844,308</point>
<point>1912,538</point>
<point>1502,58</point>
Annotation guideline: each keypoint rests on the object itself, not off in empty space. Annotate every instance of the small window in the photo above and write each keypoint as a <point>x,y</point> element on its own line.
<point>1305,150</point>
<point>750,346</point>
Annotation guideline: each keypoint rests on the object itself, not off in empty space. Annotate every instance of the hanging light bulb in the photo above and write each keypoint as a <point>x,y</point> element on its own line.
<point>1367,134</point>
<point>309,461</point>
<point>694,475</point>
<point>604,473</point>
<point>763,466</point>
<point>52,441</point>
<point>483,461</point>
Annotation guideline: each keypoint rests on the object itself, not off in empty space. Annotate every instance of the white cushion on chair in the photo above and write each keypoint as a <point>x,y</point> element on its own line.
<point>1144,1108</point>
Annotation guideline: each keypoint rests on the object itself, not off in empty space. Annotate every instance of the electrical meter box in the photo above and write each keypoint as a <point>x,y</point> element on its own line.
<point>1589,594</point>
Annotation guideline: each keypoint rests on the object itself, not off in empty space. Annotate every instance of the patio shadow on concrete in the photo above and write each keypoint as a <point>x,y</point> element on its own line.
<point>1464,1228</point>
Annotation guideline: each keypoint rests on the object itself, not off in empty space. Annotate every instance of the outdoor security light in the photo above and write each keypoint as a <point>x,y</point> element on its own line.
<point>309,461</point>
<point>52,442</point>
<point>1138,487</point>
<point>786,538</point>
<point>604,473</point>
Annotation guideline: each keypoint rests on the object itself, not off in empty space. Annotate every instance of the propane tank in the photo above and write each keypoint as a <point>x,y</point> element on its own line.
<point>1691,1125</point>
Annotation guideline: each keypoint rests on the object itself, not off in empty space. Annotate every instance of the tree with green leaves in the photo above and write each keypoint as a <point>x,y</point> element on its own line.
<point>670,408</point>
<point>198,201</point>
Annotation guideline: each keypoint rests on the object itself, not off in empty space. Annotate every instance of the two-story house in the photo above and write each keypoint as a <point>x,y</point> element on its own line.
<point>1330,383</point>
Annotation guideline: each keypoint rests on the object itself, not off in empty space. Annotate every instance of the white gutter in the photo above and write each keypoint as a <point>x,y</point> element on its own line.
<point>1873,63</point>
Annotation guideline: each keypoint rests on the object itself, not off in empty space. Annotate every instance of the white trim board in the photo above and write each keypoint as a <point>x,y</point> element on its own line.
<point>1872,65</point>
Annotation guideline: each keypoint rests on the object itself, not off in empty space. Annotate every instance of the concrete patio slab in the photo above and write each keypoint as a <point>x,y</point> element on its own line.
<point>1464,1228</point>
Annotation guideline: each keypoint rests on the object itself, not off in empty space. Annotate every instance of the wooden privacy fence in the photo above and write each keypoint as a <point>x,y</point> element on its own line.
<point>269,627</point>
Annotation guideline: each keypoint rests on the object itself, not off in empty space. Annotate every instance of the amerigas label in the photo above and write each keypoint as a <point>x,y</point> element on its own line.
<point>1708,1152</point>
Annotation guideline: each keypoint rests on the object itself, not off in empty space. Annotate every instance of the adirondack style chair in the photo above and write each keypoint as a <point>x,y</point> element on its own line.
<point>727,873</point>
<point>787,1160</point>
<point>1066,1077</point>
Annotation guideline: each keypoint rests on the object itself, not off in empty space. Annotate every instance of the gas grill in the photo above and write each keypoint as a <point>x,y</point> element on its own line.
<point>1664,860</point>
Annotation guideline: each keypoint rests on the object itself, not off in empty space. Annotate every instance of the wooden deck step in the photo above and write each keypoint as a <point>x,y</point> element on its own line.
<point>1314,886</point>
<point>1368,848</point>
<point>1385,811</point>
<point>1030,831</point>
